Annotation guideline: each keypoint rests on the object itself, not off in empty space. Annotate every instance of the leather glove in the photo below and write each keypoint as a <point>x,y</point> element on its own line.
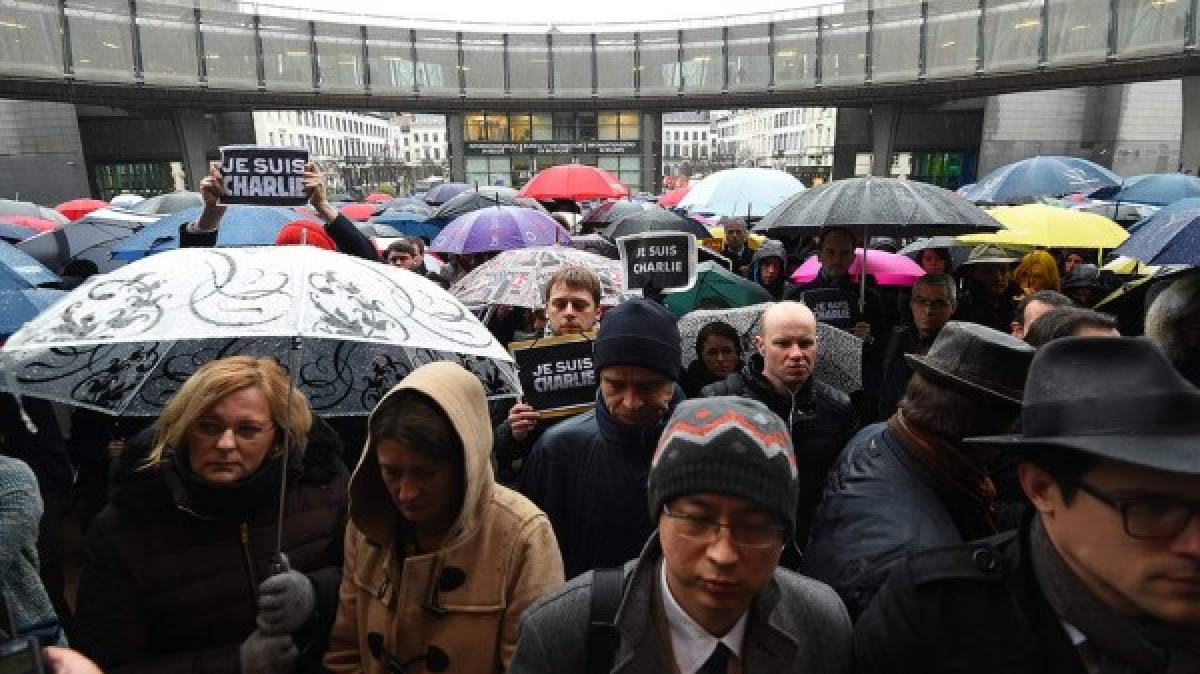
<point>262,654</point>
<point>285,603</point>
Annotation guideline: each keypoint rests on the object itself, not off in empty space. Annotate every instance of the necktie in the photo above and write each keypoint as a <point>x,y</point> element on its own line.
<point>718,662</point>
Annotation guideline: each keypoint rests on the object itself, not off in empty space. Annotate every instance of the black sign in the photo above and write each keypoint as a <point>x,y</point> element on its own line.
<point>838,308</point>
<point>557,374</point>
<point>263,176</point>
<point>551,147</point>
<point>662,260</point>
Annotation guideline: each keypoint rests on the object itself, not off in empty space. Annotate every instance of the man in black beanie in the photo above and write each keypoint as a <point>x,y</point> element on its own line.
<point>589,473</point>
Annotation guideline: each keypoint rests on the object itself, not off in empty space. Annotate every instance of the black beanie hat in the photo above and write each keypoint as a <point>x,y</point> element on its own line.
<point>639,332</point>
<point>731,445</point>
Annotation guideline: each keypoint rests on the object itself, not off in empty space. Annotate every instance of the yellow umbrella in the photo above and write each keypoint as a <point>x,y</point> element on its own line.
<point>753,240</point>
<point>1035,225</point>
<point>1128,266</point>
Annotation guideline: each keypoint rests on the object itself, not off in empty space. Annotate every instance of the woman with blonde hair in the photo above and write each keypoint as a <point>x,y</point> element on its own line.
<point>177,571</point>
<point>1036,271</point>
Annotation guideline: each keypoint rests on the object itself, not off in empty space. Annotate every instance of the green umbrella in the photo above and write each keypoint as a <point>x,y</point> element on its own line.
<point>716,288</point>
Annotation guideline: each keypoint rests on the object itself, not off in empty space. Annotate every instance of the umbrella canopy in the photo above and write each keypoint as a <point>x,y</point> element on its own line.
<point>406,223</point>
<point>127,200</point>
<point>958,252</point>
<point>410,204</point>
<point>741,192</point>
<point>15,233</point>
<point>596,243</point>
<point>888,269</point>
<point>77,208</point>
<point>516,277</point>
<point>440,194</point>
<point>1035,225</point>
<point>576,182</point>
<point>30,222</point>
<point>839,363</point>
<point>124,342</point>
<point>1029,180</point>
<point>1159,189</point>
<point>499,228</point>
<point>672,198</point>
<point>611,211</point>
<point>166,204</point>
<point>240,226</point>
<point>91,239</point>
<point>716,286</point>
<point>360,212</point>
<point>19,270</point>
<point>31,210</point>
<point>884,206</point>
<point>1170,236</point>
<point>378,198</point>
<point>473,200</point>
<point>18,306</point>
<point>656,220</point>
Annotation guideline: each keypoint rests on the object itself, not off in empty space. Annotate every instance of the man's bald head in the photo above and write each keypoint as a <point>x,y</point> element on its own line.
<point>787,311</point>
<point>787,341</point>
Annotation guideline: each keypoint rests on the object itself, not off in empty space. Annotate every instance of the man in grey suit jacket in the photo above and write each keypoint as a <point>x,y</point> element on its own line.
<point>707,595</point>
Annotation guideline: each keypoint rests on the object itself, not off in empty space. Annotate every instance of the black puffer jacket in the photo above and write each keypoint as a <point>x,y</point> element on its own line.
<point>976,305</point>
<point>821,420</point>
<point>168,584</point>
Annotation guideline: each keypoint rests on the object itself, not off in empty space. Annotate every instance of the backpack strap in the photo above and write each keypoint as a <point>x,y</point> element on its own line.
<point>603,637</point>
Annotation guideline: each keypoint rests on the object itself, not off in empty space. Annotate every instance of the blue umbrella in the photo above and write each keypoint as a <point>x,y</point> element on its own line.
<point>19,305</point>
<point>1160,189</point>
<point>407,223</point>
<point>741,192</point>
<point>436,196</point>
<point>1170,236</point>
<point>241,226</point>
<point>411,204</point>
<point>18,270</point>
<point>1029,180</point>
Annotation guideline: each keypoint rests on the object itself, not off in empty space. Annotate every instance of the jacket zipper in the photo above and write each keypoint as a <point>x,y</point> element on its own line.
<point>249,561</point>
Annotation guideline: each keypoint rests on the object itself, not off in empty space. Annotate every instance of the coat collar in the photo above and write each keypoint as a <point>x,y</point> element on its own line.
<point>620,436</point>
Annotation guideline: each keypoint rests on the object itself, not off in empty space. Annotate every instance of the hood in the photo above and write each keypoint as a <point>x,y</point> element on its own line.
<point>460,396</point>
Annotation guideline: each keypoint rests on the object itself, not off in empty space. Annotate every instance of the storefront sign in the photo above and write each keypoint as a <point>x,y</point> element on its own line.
<point>263,176</point>
<point>549,147</point>
<point>661,260</point>
<point>557,374</point>
<point>838,308</point>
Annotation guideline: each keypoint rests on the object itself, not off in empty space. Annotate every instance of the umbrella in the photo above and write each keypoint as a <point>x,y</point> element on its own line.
<point>77,208</point>
<point>124,342</point>
<point>657,220</point>
<point>499,228</point>
<point>127,200</point>
<point>360,212</point>
<point>595,243</point>
<point>517,277</point>
<point>716,285</point>
<point>672,198</point>
<point>440,194</point>
<point>378,198</point>
<point>611,211</point>
<point>20,305</point>
<point>32,210</point>
<point>839,353</point>
<point>1034,225</point>
<point>406,223</point>
<point>30,222</point>
<point>717,234</point>
<point>1170,236</point>
<point>91,238</point>
<point>576,182</point>
<point>748,192</point>
<point>409,204</point>
<point>240,226</point>
<point>888,269</point>
<point>473,200</point>
<point>15,233</point>
<point>1159,189</point>
<point>166,204</point>
<point>1029,180</point>
<point>20,270</point>
<point>958,252</point>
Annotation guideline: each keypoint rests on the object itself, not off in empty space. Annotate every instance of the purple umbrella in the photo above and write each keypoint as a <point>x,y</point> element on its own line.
<point>499,228</point>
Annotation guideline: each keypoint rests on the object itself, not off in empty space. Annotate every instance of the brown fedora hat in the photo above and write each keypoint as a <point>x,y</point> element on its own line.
<point>977,358</point>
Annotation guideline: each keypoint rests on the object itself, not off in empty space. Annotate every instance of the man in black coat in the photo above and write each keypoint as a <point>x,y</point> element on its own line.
<point>1105,577</point>
<point>735,248</point>
<point>819,416</point>
<point>933,301</point>
<point>988,296</point>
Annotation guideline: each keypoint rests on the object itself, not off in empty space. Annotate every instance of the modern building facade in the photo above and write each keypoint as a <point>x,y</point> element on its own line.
<point>689,146</point>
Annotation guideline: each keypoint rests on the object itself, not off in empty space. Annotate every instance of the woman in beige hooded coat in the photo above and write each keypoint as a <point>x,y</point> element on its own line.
<point>440,561</point>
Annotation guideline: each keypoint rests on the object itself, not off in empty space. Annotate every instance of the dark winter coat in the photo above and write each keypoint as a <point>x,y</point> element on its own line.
<point>880,503</point>
<point>896,371</point>
<point>779,285</point>
<point>588,474</point>
<point>741,261</point>
<point>976,305</point>
<point>821,420</point>
<point>974,607</point>
<point>168,587</point>
<point>343,232</point>
<point>695,377</point>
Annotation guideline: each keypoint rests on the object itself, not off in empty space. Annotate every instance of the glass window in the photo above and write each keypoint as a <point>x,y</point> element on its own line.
<point>437,62</point>
<point>100,39</point>
<point>473,127</point>
<point>39,57</point>
<point>748,58</point>
<point>896,43</point>
<point>703,64</point>
<point>952,38</point>
<point>389,53</point>
<point>1149,27</point>
<point>483,63</point>
<point>497,127</point>
<point>339,55</point>
<point>287,63</point>
<point>614,64</point>
<point>587,125</point>
<point>528,64</point>
<point>1013,31</point>
<point>573,64</point>
<point>660,67</point>
<point>168,37</point>
<point>844,48</point>
<point>564,126</point>
<point>520,128</point>
<point>543,126</point>
<point>608,126</point>
<point>795,53</point>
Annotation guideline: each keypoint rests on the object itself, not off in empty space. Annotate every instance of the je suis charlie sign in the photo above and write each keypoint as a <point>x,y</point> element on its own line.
<point>658,260</point>
<point>263,176</point>
<point>558,377</point>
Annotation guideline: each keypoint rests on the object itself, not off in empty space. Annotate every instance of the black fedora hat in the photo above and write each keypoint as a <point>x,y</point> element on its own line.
<point>1117,398</point>
<point>976,358</point>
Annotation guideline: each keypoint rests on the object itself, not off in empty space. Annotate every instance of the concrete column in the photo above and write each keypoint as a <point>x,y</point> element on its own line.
<point>652,152</point>
<point>1189,146</point>
<point>456,147</point>
<point>193,132</point>
<point>885,120</point>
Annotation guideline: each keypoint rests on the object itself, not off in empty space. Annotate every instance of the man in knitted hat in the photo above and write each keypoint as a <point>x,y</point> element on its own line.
<point>706,595</point>
<point>589,473</point>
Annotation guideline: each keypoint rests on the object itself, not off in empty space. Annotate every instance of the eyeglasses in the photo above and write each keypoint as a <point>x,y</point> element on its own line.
<point>210,429</point>
<point>707,531</point>
<point>924,303</point>
<point>1148,518</point>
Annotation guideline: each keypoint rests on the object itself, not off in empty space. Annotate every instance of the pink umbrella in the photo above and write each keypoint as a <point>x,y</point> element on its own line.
<point>889,269</point>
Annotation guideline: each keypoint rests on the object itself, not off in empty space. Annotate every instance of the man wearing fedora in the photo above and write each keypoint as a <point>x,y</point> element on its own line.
<point>910,483</point>
<point>989,296</point>
<point>1104,576</point>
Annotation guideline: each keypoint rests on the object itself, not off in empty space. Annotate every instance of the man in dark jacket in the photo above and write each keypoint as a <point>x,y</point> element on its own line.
<point>820,417</point>
<point>933,300</point>
<point>988,296</point>
<point>736,249</point>
<point>1105,576</point>
<point>588,474</point>
<point>910,483</point>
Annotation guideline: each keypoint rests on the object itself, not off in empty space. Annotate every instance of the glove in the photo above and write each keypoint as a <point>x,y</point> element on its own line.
<point>285,603</point>
<point>262,654</point>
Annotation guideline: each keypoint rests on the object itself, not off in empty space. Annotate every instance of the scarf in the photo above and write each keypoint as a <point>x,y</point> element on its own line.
<point>236,500</point>
<point>957,475</point>
<point>1115,644</point>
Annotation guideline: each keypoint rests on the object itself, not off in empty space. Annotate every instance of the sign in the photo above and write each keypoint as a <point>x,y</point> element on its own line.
<point>662,260</point>
<point>551,147</point>
<point>557,374</point>
<point>838,308</point>
<point>262,175</point>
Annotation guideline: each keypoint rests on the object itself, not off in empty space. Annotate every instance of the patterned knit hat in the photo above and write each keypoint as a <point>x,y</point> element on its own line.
<point>731,445</point>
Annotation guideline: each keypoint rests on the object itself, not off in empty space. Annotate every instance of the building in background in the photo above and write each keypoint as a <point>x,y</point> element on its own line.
<point>688,147</point>
<point>796,140</point>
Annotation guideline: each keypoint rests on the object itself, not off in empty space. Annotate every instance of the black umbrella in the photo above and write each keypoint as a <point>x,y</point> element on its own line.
<point>90,238</point>
<point>594,243</point>
<point>166,204</point>
<point>483,197</point>
<point>611,211</point>
<point>656,220</point>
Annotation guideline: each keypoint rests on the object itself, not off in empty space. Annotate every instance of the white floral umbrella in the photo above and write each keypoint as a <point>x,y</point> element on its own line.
<point>515,277</point>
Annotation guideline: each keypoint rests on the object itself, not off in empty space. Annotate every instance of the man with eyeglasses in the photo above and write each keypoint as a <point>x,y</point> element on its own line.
<point>934,299</point>
<point>1104,576</point>
<point>706,595</point>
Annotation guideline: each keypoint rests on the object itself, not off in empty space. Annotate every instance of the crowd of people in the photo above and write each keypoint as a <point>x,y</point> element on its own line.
<point>1013,489</point>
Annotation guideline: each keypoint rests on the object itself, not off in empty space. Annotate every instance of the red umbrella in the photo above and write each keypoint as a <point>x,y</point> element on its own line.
<point>30,222</point>
<point>378,197</point>
<point>77,208</point>
<point>576,182</point>
<point>672,198</point>
<point>359,212</point>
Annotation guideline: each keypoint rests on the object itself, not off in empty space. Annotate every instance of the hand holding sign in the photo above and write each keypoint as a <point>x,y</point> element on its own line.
<point>522,419</point>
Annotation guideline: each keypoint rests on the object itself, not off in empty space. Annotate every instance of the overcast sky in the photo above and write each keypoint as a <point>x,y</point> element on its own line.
<point>572,11</point>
